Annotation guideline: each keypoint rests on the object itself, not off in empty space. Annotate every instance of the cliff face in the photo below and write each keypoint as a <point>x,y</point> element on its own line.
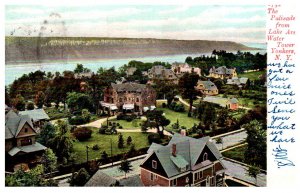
<point>25,49</point>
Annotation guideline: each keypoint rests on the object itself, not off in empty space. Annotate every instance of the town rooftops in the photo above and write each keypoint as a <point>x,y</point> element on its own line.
<point>209,85</point>
<point>14,124</point>
<point>27,149</point>
<point>36,114</point>
<point>129,86</point>
<point>221,70</point>
<point>188,151</point>
<point>101,179</point>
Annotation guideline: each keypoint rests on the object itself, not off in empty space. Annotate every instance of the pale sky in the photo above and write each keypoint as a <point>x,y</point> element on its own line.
<point>245,24</point>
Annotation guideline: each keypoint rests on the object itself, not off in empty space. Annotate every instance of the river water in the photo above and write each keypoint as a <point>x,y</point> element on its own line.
<point>14,71</point>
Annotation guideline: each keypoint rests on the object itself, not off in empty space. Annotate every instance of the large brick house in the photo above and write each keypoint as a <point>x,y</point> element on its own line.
<point>160,73</point>
<point>20,142</point>
<point>207,88</point>
<point>181,68</point>
<point>132,97</point>
<point>185,161</point>
<point>222,72</point>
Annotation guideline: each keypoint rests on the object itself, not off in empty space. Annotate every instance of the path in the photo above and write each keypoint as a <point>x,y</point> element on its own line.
<point>184,102</point>
<point>98,122</point>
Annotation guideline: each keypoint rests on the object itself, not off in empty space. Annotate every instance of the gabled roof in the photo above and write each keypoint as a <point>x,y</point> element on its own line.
<point>209,85</point>
<point>14,124</point>
<point>188,151</point>
<point>233,101</point>
<point>130,86</point>
<point>221,70</point>
<point>36,114</point>
<point>101,179</point>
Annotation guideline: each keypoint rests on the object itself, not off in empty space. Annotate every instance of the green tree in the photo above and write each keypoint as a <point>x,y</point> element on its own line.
<point>222,117</point>
<point>30,106</point>
<point>40,99</point>
<point>47,133</point>
<point>79,101</point>
<point>120,141</point>
<point>7,97</point>
<point>49,161</point>
<point>31,178</point>
<point>187,84</point>
<point>19,102</point>
<point>104,156</point>
<point>253,171</point>
<point>129,140</point>
<point>156,119</point>
<point>62,143</point>
<point>80,69</point>
<point>255,153</point>
<point>79,178</point>
<point>125,166</point>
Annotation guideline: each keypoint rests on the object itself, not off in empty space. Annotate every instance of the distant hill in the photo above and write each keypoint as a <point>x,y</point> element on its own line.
<point>35,49</point>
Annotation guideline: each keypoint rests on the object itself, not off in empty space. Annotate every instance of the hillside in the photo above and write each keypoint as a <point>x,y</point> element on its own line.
<point>26,49</point>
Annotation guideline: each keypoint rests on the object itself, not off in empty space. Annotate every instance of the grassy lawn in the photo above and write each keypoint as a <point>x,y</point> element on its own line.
<point>55,113</point>
<point>139,139</point>
<point>236,153</point>
<point>135,124</point>
<point>183,119</point>
<point>252,75</point>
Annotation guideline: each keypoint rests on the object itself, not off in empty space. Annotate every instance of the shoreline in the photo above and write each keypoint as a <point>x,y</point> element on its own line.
<point>129,58</point>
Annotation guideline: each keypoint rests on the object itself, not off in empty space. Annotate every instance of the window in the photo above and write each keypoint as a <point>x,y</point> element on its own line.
<point>154,164</point>
<point>153,177</point>
<point>137,100</point>
<point>198,175</point>
<point>205,156</point>
<point>174,182</point>
<point>26,130</point>
<point>26,142</point>
<point>120,100</point>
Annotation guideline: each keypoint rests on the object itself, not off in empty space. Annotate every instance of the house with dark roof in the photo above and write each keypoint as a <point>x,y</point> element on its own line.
<point>20,142</point>
<point>38,116</point>
<point>240,82</point>
<point>222,72</point>
<point>161,73</point>
<point>185,161</point>
<point>128,97</point>
<point>101,179</point>
<point>207,88</point>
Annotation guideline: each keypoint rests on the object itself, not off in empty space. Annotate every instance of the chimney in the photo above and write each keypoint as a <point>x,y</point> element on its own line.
<point>174,149</point>
<point>183,132</point>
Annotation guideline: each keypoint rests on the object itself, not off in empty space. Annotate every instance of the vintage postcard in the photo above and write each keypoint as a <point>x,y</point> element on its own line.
<point>140,95</point>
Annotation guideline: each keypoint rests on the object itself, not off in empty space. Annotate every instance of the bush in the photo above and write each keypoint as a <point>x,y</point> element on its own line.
<point>128,118</point>
<point>82,133</point>
<point>179,108</point>
<point>30,106</point>
<point>102,129</point>
<point>154,138</point>
<point>120,127</point>
<point>77,120</point>
<point>96,147</point>
<point>79,178</point>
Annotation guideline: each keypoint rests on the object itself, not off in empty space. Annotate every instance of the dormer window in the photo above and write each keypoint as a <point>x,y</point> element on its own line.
<point>154,164</point>
<point>205,156</point>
